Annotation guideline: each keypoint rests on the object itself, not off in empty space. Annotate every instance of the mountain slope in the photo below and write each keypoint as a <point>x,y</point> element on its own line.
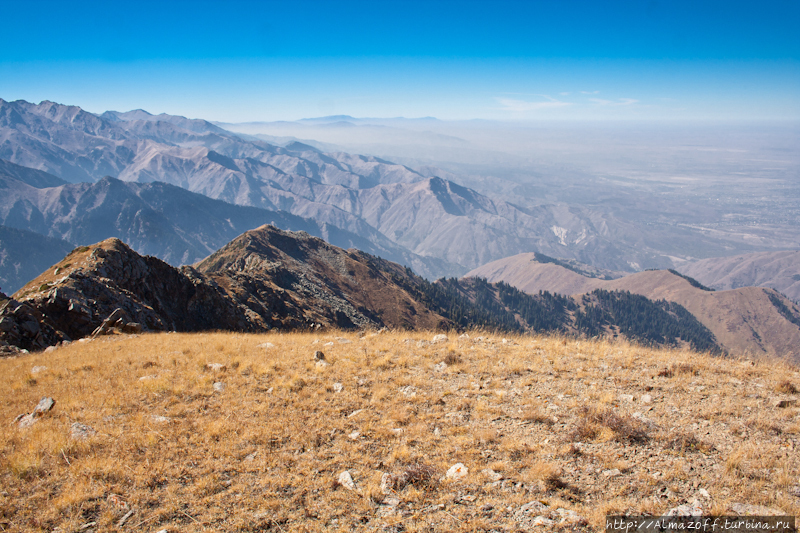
<point>777,270</point>
<point>24,254</point>
<point>744,320</point>
<point>169,222</point>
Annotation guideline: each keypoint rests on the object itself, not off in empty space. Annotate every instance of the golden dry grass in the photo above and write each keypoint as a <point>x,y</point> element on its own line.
<point>553,416</point>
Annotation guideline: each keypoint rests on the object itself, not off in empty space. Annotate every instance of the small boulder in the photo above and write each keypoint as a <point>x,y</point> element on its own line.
<point>218,386</point>
<point>438,339</point>
<point>319,356</point>
<point>338,387</point>
<point>216,367</point>
<point>692,509</point>
<point>456,472</point>
<point>346,481</point>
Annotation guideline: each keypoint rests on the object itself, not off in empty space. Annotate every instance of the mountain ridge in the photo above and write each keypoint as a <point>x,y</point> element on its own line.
<point>744,320</point>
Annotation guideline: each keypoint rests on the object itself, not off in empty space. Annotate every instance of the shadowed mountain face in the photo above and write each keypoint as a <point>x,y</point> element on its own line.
<point>264,279</point>
<point>24,254</point>
<point>746,320</point>
<point>157,219</point>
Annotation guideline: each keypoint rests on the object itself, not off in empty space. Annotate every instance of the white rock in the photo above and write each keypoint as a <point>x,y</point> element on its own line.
<point>328,344</point>
<point>463,336</point>
<point>614,472</point>
<point>216,367</point>
<point>354,435</point>
<point>37,369</point>
<point>626,397</point>
<point>437,339</point>
<point>693,509</point>
<point>161,419</point>
<point>647,399</point>
<point>456,472</point>
<point>219,386</point>
<point>265,345</point>
<point>542,521</point>
<point>346,481</point>
<point>338,387</point>
<point>491,474</point>
<point>440,367</point>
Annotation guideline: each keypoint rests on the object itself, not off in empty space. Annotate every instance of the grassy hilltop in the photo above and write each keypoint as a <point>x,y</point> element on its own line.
<point>245,432</point>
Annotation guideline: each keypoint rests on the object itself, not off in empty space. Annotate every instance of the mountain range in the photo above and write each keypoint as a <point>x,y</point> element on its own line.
<point>269,278</point>
<point>425,218</point>
<point>754,320</point>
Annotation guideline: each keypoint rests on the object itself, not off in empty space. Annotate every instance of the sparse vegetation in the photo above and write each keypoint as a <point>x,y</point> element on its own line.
<point>693,282</point>
<point>551,419</point>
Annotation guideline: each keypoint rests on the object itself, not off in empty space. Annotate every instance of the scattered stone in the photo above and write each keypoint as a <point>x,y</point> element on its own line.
<point>161,419</point>
<point>626,397</point>
<point>319,356</point>
<point>784,403</point>
<point>703,493</point>
<point>338,387</point>
<point>570,517</point>
<point>463,336</point>
<point>354,435</point>
<point>355,413</point>
<point>456,472</point>
<point>614,472</point>
<point>692,509</point>
<point>50,349</point>
<point>266,345</point>
<point>328,343</point>
<point>438,339</point>
<point>322,364</point>
<point>216,367</point>
<point>746,509</point>
<point>440,367</point>
<point>408,391</point>
<point>422,344</point>
<point>647,399</point>
<point>491,474</point>
<point>27,420</point>
<point>250,457</point>
<point>530,509</point>
<point>346,481</point>
<point>148,378</point>
<point>38,369</point>
<point>218,386</point>
<point>80,431</point>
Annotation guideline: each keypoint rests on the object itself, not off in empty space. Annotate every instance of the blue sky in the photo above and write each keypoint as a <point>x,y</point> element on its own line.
<point>567,59</point>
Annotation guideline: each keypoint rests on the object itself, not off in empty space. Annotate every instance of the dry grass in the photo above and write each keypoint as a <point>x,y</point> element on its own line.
<point>562,421</point>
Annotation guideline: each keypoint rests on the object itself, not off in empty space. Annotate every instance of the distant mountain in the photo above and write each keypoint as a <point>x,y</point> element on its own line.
<point>169,222</point>
<point>777,270</point>
<point>745,320</point>
<point>366,196</point>
<point>24,254</point>
<point>267,278</point>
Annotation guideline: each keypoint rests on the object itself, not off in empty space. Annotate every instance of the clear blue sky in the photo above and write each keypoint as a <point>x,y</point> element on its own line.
<point>290,59</point>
